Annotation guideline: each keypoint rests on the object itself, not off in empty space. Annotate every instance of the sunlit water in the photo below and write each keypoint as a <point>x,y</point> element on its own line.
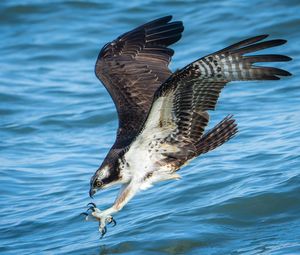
<point>58,122</point>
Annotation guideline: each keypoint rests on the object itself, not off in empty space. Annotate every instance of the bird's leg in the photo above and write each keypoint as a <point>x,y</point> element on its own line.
<point>105,217</point>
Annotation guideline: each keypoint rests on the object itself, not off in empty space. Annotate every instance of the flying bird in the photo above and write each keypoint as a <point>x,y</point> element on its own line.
<point>163,115</point>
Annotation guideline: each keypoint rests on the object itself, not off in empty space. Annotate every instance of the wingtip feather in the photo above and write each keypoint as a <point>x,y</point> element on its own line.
<point>261,37</point>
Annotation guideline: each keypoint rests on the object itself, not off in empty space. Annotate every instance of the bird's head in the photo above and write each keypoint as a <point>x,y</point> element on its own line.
<point>104,177</point>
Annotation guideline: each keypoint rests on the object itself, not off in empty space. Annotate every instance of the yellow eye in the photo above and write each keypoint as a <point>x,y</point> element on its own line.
<point>99,183</point>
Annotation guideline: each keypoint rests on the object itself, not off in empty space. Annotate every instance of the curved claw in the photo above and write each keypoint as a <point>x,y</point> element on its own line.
<point>92,204</point>
<point>103,232</point>
<point>91,208</point>
<point>113,221</point>
<point>85,215</point>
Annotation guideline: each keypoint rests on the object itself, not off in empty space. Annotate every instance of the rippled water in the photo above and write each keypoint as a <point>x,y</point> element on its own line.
<point>58,122</point>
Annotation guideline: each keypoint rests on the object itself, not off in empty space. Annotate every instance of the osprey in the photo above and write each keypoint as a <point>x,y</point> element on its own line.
<point>162,115</point>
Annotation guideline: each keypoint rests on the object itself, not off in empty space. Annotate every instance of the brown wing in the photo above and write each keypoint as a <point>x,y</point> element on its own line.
<point>132,67</point>
<point>179,114</point>
<point>196,88</point>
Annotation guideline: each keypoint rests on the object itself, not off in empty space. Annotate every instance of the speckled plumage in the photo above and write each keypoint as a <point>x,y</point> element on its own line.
<point>163,116</point>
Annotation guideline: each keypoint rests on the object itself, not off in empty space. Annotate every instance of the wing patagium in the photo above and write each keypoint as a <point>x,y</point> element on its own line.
<point>132,67</point>
<point>181,103</point>
<point>162,116</point>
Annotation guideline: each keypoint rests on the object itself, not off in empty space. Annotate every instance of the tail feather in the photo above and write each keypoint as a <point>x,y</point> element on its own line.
<point>220,134</point>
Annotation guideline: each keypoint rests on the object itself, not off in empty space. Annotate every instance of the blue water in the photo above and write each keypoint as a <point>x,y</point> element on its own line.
<point>57,124</point>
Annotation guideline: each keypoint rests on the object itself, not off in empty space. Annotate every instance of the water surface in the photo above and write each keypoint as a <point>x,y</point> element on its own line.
<point>57,124</point>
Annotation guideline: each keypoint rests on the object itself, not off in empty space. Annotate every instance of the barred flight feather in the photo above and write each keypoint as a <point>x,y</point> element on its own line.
<point>163,116</point>
<point>195,89</point>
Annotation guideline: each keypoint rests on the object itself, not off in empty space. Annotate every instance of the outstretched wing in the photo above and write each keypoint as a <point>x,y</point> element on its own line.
<point>179,113</point>
<point>132,67</point>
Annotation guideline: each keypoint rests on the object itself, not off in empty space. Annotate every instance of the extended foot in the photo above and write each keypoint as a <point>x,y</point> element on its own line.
<point>94,213</point>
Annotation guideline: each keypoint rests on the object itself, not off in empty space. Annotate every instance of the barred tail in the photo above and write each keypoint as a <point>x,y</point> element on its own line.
<point>220,134</point>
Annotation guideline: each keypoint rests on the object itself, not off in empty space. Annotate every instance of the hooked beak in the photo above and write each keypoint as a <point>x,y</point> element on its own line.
<point>92,192</point>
